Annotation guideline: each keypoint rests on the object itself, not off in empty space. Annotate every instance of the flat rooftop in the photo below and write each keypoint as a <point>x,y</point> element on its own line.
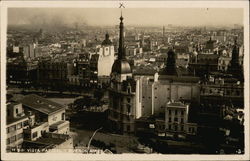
<point>41,104</point>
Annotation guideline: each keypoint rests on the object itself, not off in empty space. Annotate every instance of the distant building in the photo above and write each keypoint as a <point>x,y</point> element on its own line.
<point>222,90</point>
<point>29,51</point>
<point>210,46</point>
<point>235,68</point>
<point>22,72</point>
<point>16,49</point>
<point>82,65</point>
<point>52,73</point>
<point>202,64</point>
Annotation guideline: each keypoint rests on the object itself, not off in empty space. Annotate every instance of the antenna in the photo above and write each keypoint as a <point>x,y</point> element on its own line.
<point>121,6</point>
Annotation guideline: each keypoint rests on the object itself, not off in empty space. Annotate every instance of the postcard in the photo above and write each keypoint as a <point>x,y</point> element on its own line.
<point>125,80</point>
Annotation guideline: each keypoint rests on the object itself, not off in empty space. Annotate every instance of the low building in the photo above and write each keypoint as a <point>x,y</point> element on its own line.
<point>176,121</point>
<point>50,116</point>
<point>17,121</point>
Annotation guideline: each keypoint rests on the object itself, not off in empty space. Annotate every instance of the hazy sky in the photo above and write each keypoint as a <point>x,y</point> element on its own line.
<point>133,16</point>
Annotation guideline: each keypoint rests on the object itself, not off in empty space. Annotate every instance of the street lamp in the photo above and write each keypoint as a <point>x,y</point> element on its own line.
<point>92,138</point>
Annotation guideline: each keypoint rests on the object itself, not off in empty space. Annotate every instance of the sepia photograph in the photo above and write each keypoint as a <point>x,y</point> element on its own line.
<point>127,78</point>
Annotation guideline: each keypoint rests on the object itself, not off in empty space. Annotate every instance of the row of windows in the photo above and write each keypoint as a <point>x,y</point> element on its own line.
<point>14,138</point>
<point>15,127</point>
<point>227,92</point>
<point>116,116</point>
<point>175,127</point>
<point>175,112</point>
<point>176,120</point>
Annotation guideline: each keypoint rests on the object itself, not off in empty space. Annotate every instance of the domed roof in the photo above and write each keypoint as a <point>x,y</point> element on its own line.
<point>107,40</point>
<point>121,66</point>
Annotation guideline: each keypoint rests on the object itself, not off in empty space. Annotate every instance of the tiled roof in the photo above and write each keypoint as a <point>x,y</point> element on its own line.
<point>41,104</point>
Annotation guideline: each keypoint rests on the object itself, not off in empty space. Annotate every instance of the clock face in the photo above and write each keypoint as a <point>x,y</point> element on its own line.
<point>106,51</point>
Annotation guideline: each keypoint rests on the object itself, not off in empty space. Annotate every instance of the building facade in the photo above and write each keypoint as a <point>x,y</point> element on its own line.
<point>17,121</point>
<point>122,92</point>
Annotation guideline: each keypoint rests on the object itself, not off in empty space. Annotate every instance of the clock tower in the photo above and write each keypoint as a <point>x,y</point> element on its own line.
<point>122,92</point>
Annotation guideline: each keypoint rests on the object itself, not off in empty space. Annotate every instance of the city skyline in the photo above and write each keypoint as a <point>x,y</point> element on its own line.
<point>133,16</point>
<point>126,81</point>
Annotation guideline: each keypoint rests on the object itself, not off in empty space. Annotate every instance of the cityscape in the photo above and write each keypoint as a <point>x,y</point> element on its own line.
<point>126,85</point>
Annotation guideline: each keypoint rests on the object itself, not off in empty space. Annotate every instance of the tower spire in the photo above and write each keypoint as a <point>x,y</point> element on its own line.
<point>121,50</point>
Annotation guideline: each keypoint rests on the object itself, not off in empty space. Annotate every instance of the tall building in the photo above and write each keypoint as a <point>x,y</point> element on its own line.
<point>106,57</point>
<point>29,51</point>
<point>105,60</point>
<point>171,64</point>
<point>235,68</point>
<point>122,92</point>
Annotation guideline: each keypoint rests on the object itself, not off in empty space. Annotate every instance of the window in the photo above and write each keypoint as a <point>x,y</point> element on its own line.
<point>169,127</point>
<point>169,111</point>
<point>175,127</point>
<point>19,136</point>
<point>128,109</point>
<point>115,115</point>
<point>128,118</point>
<point>26,123</point>
<point>8,112</point>
<point>129,89</point>
<point>8,141</point>
<point>19,126</point>
<point>12,128</point>
<point>128,100</point>
<point>34,135</point>
<point>16,110</point>
<point>182,120</point>
<point>176,112</point>
<point>182,113</point>
<point>190,129</point>
<point>169,120</point>
<point>128,128</point>
<point>12,139</point>
<point>182,127</point>
<point>176,119</point>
